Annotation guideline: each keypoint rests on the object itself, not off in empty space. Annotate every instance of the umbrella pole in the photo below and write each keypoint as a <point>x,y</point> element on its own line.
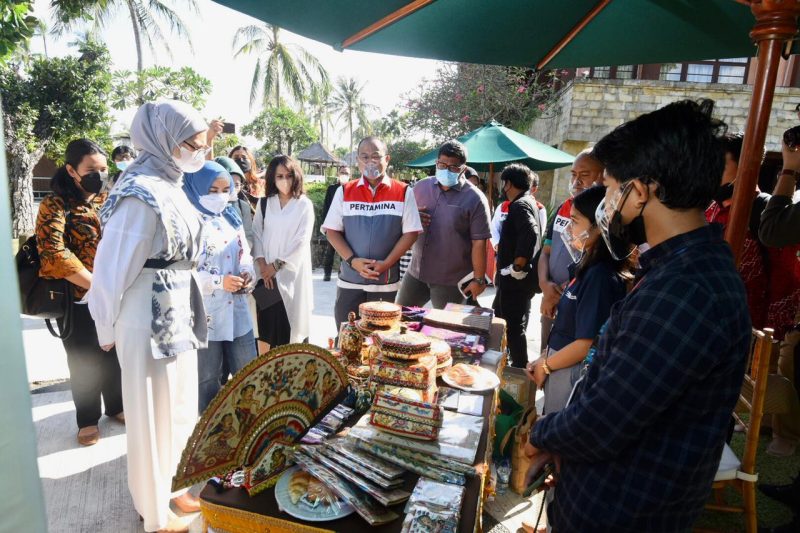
<point>776,23</point>
<point>491,187</point>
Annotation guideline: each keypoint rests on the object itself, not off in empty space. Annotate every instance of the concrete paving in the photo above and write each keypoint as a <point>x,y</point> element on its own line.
<point>86,489</point>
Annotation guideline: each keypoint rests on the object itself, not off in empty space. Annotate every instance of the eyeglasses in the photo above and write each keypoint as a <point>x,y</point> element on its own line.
<point>204,151</point>
<point>375,158</point>
<point>451,168</point>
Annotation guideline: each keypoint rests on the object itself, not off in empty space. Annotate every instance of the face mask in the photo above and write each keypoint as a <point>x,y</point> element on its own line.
<point>190,161</point>
<point>723,193</point>
<point>243,163</point>
<point>576,244</point>
<point>446,177</point>
<point>284,186</point>
<point>621,238</point>
<point>215,202</point>
<point>93,182</point>
<point>371,171</point>
<point>122,165</point>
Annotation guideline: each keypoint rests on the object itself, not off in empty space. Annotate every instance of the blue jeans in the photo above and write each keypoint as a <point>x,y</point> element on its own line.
<point>236,354</point>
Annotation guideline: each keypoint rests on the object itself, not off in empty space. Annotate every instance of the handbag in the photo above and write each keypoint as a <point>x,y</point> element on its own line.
<point>519,461</point>
<point>40,297</point>
<point>266,297</point>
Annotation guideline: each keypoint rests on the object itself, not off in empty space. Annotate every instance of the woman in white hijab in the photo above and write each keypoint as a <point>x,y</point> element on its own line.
<point>146,301</point>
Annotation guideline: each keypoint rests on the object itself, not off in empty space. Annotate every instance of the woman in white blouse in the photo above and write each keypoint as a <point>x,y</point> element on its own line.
<point>145,299</point>
<point>225,272</point>
<point>283,224</point>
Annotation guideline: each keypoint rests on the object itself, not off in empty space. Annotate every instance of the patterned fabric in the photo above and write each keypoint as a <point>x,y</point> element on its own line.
<point>260,411</point>
<point>771,277</point>
<point>67,233</point>
<point>178,321</point>
<point>641,444</point>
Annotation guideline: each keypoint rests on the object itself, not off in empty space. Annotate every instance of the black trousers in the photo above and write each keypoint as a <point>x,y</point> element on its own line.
<point>327,260</point>
<point>514,305</point>
<point>93,373</point>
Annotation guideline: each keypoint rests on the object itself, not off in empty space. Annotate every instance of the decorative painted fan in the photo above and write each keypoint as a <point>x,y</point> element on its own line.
<point>264,408</point>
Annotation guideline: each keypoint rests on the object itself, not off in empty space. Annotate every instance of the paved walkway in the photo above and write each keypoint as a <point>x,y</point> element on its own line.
<point>85,488</point>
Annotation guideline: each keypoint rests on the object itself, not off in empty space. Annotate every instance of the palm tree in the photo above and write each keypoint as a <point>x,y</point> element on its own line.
<point>348,101</point>
<point>147,19</point>
<point>319,107</point>
<point>279,64</point>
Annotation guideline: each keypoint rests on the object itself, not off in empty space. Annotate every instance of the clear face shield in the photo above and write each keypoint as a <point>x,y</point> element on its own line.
<point>609,222</point>
<point>574,241</point>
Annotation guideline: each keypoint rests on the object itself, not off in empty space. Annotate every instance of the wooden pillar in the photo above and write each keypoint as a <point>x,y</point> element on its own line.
<point>776,23</point>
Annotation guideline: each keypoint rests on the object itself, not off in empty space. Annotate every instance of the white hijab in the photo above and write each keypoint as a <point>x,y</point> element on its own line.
<point>156,130</point>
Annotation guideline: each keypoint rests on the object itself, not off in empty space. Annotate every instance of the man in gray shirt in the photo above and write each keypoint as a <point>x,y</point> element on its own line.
<point>455,218</point>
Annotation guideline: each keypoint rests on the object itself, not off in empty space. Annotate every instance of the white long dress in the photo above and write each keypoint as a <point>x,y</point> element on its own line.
<point>285,234</point>
<point>159,395</point>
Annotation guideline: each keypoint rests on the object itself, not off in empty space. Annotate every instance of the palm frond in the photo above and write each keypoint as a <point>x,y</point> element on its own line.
<point>270,77</point>
<point>248,39</point>
<point>292,76</point>
<point>171,17</point>
<point>254,87</point>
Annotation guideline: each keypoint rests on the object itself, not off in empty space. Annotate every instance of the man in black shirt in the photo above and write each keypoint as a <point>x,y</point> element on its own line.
<point>520,239</point>
<point>341,178</point>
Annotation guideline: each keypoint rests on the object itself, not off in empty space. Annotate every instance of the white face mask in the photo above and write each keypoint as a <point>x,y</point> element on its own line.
<point>190,161</point>
<point>215,202</point>
<point>372,170</point>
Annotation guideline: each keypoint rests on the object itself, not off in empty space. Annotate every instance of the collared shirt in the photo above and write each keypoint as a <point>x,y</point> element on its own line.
<point>442,255</point>
<point>372,220</point>
<point>560,258</point>
<point>67,234</point>
<point>225,251</point>
<point>640,445</point>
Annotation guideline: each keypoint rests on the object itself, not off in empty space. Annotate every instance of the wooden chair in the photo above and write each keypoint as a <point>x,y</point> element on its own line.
<point>741,473</point>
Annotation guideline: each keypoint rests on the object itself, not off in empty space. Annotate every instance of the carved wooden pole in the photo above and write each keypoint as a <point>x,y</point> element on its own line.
<point>776,23</point>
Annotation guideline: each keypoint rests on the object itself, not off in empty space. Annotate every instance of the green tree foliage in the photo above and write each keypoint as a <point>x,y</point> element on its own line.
<point>132,89</point>
<point>282,130</point>
<point>148,20</point>
<point>225,142</point>
<point>404,151</point>
<point>465,96</point>
<point>46,103</point>
<point>17,26</point>
<point>279,65</point>
<point>319,107</point>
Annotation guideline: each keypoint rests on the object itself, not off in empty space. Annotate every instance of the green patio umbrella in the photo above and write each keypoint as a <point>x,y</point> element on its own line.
<point>577,33</point>
<point>493,143</point>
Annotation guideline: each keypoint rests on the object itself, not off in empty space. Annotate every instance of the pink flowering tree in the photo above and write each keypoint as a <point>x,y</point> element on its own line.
<point>465,96</point>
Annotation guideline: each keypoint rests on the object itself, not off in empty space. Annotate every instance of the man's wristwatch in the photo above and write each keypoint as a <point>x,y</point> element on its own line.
<point>480,281</point>
<point>349,260</point>
<point>789,172</point>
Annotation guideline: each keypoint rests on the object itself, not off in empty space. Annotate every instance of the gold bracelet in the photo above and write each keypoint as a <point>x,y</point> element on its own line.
<point>546,368</point>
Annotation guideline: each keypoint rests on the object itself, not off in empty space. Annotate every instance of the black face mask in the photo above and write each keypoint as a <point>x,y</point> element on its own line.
<point>621,236</point>
<point>93,181</point>
<point>243,163</point>
<point>723,193</point>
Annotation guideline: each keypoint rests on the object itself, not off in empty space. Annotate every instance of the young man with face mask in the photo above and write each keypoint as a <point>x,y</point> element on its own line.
<point>371,223</point>
<point>520,239</point>
<point>554,262</point>
<point>455,215</point>
<point>639,444</point>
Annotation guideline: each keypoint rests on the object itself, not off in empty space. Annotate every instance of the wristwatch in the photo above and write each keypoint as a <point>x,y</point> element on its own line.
<point>278,264</point>
<point>349,260</point>
<point>789,172</point>
<point>546,368</point>
<point>479,281</point>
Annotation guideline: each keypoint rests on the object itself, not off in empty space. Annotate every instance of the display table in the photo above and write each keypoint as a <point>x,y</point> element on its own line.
<point>233,511</point>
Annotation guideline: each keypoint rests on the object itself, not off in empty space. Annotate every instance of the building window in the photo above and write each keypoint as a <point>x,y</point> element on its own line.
<point>716,71</point>
<point>621,72</point>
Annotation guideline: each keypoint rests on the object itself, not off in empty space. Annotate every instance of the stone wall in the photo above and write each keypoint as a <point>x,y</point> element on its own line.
<point>588,109</point>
